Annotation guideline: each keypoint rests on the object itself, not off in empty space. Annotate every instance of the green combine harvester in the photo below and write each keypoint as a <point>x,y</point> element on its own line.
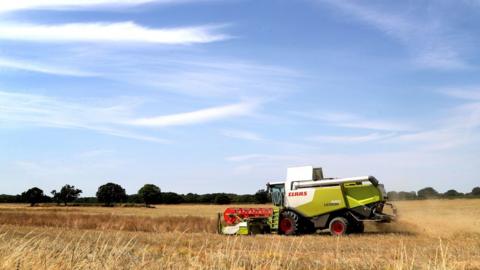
<point>307,202</point>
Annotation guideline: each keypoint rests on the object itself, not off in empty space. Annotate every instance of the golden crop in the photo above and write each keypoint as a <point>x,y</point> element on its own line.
<point>443,234</point>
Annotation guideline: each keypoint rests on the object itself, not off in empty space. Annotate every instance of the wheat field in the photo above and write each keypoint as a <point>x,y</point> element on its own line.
<point>437,234</point>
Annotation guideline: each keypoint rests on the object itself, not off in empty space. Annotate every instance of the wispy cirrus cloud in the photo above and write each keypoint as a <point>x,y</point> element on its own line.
<point>114,118</point>
<point>352,139</point>
<point>349,120</point>
<point>16,64</point>
<point>242,135</point>
<point>196,117</point>
<point>428,40</point>
<point>9,6</point>
<point>471,93</point>
<point>29,110</point>
<point>459,127</point>
<point>109,32</point>
<point>260,157</point>
<point>208,77</point>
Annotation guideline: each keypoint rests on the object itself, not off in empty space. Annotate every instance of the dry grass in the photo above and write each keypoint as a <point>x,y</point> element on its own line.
<point>429,235</point>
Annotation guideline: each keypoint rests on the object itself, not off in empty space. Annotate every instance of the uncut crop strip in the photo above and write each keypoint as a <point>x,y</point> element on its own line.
<point>109,222</point>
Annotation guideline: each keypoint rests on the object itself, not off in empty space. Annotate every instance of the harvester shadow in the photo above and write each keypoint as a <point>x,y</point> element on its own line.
<point>385,233</point>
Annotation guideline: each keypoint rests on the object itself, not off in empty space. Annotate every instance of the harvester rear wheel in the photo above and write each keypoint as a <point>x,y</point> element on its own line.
<point>338,226</point>
<point>289,223</point>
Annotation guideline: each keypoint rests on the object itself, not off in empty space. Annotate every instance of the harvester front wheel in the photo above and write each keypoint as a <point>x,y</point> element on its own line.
<point>289,223</point>
<point>338,226</point>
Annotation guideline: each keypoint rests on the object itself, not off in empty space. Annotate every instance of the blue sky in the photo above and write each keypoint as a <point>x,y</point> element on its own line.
<point>222,96</point>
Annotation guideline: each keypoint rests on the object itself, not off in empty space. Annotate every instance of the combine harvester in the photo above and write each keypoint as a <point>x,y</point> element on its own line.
<point>307,202</point>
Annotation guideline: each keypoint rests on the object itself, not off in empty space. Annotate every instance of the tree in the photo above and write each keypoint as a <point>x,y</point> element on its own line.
<point>171,198</point>
<point>261,196</point>
<point>111,193</point>
<point>392,195</point>
<point>134,198</point>
<point>222,199</point>
<point>246,198</point>
<point>33,196</point>
<point>68,194</point>
<point>191,198</point>
<point>150,194</point>
<point>427,193</point>
<point>55,197</point>
<point>475,191</point>
<point>407,195</point>
<point>4,198</point>
<point>452,193</point>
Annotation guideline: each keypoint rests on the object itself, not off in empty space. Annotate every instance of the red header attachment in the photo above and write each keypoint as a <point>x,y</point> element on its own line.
<point>234,215</point>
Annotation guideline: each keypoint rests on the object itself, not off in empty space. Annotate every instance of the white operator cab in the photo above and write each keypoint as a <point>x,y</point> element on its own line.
<point>282,191</point>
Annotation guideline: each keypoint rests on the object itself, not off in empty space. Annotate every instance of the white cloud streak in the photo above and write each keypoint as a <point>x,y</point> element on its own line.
<point>199,116</point>
<point>15,64</point>
<point>204,77</point>
<point>460,127</point>
<point>109,32</point>
<point>242,135</point>
<point>468,93</point>
<point>9,6</point>
<point>349,120</point>
<point>27,110</point>
<point>260,157</point>
<point>351,139</point>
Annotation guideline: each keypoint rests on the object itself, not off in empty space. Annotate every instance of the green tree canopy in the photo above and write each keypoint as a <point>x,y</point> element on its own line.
<point>68,194</point>
<point>427,193</point>
<point>171,198</point>
<point>150,194</point>
<point>475,191</point>
<point>452,193</point>
<point>111,193</point>
<point>222,199</point>
<point>262,196</point>
<point>33,196</point>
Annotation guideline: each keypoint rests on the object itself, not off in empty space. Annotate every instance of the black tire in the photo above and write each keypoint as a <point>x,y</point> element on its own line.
<point>255,229</point>
<point>258,227</point>
<point>289,223</point>
<point>339,226</point>
<point>308,227</point>
<point>358,227</point>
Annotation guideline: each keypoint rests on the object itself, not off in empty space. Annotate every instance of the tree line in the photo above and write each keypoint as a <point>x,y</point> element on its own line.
<point>110,194</point>
<point>431,193</point>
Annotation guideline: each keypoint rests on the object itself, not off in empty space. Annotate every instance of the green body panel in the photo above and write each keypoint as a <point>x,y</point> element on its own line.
<point>274,219</point>
<point>243,230</point>
<point>325,200</point>
<point>358,195</point>
<point>329,199</point>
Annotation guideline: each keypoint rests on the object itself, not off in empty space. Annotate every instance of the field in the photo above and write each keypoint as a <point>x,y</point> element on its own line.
<point>443,234</point>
